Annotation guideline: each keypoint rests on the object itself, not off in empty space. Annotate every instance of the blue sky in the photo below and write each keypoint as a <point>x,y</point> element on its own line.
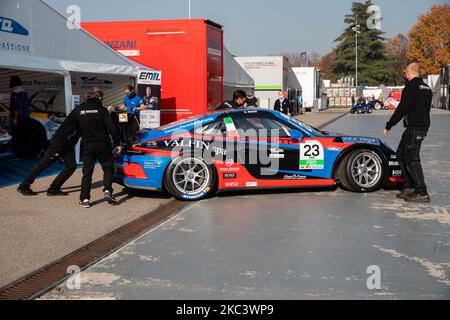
<point>259,27</point>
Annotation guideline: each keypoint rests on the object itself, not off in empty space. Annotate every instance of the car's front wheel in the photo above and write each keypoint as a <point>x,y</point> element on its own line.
<point>361,171</point>
<point>190,179</point>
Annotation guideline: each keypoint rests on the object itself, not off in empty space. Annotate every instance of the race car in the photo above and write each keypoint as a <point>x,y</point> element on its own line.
<point>252,149</point>
<point>5,144</point>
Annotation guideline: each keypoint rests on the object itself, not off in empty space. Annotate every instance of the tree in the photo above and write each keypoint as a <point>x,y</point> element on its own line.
<point>373,65</point>
<point>396,50</point>
<point>429,43</point>
<point>326,65</point>
<point>294,58</point>
<point>314,59</point>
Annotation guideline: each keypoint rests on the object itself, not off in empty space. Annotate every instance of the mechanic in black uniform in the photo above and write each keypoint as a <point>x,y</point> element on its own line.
<point>414,109</point>
<point>251,102</point>
<point>239,98</point>
<point>61,147</point>
<point>96,130</point>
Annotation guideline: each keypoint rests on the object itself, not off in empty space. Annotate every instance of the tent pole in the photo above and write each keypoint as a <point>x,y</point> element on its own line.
<point>69,106</point>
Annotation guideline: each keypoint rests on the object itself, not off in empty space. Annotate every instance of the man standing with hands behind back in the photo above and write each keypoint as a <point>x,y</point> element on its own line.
<point>414,109</point>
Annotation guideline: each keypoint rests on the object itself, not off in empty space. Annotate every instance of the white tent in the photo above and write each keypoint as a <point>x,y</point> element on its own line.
<point>235,77</point>
<point>35,37</point>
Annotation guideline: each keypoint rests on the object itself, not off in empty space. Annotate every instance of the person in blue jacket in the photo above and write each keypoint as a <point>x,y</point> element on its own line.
<point>131,102</point>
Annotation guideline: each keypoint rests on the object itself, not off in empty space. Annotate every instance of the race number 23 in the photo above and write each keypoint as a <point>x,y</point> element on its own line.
<point>312,156</point>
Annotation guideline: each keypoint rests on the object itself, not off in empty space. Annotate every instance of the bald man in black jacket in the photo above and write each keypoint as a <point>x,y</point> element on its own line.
<point>414,109</point>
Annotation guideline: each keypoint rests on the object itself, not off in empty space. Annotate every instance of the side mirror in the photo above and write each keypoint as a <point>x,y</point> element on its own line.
<point>297,135</point>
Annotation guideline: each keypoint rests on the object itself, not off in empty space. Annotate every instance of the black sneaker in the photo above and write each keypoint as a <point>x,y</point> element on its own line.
<point>405,193</point>
<point>109,196</point>
<point>419,198</point>
<point>26,191</point>
<point>85,204</point>
<point>58,193</point>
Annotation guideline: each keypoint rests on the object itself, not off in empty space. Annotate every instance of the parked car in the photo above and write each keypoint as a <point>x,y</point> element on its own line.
<point>47,115</point>
<point>200,157</point>
<point>5,144</point>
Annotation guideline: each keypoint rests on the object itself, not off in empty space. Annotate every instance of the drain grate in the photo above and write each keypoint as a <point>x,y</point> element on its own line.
<point>37,283</point>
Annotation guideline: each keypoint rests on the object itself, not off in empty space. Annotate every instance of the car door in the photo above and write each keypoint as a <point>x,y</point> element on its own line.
<point>265,148</point>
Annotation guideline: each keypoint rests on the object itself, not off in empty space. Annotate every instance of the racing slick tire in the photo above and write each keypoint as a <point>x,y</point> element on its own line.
<point>362,170</point>
<point>369,111</point>
<point>190,179</point>
<point>360,111</point>
<point>352,111</point>
<point>378,106</point>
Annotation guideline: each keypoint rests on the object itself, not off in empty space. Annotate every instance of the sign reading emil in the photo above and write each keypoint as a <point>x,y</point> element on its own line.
<point>149,88</point>
<point>15,35</point>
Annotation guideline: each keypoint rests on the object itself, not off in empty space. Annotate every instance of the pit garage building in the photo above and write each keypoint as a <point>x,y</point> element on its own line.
<point>58,63</point>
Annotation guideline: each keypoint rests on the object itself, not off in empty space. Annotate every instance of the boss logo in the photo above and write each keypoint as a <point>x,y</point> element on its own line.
<point>229,176</point>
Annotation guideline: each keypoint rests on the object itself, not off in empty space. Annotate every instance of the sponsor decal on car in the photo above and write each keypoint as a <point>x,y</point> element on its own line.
<point>312,156</point>
<point>294,177</point>
<point>397,173</point>
<point>230,169</point>
<point>251,184</point>
<point>231,184</point>
<point>190,125</point>
<point>372,141</point>
<point>152,164</point>
<point>394,163</point>
<point>187,144</point>
<point>230,175</point>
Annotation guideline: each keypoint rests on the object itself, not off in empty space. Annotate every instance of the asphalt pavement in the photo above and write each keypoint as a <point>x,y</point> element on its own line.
<point>35,231</point>
<point>298,244</point>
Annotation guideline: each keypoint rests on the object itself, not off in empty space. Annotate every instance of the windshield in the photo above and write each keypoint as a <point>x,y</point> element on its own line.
<point>305,126</point>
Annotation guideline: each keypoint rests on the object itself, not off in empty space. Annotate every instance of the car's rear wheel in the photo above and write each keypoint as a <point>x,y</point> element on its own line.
<point>378,106</point>
<point>190,179</point>
<point>361,171</point>
<point>369,110</point>
<point>360,111</point>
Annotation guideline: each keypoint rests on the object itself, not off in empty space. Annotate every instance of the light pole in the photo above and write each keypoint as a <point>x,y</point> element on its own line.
<point>357,31</point>
<point>189,9</point>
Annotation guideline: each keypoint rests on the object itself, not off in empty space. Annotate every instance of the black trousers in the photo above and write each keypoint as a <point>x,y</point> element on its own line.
<point>408,154</point>
<point>54,153</point>
<point>91,153</point>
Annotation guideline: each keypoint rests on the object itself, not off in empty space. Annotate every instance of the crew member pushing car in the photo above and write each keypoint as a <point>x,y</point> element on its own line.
<point>96,130</point>
<point>414,109</point>
<point>61,148</point>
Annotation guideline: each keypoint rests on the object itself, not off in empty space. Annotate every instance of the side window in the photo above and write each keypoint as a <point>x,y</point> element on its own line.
<point>215,129</point>
<point>255,125</point>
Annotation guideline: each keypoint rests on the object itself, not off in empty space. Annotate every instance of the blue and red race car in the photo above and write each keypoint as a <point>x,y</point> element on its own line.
<point>252,149</point>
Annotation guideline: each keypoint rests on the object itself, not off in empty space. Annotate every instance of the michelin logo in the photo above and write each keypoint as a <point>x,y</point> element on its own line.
<point>11,26</point>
